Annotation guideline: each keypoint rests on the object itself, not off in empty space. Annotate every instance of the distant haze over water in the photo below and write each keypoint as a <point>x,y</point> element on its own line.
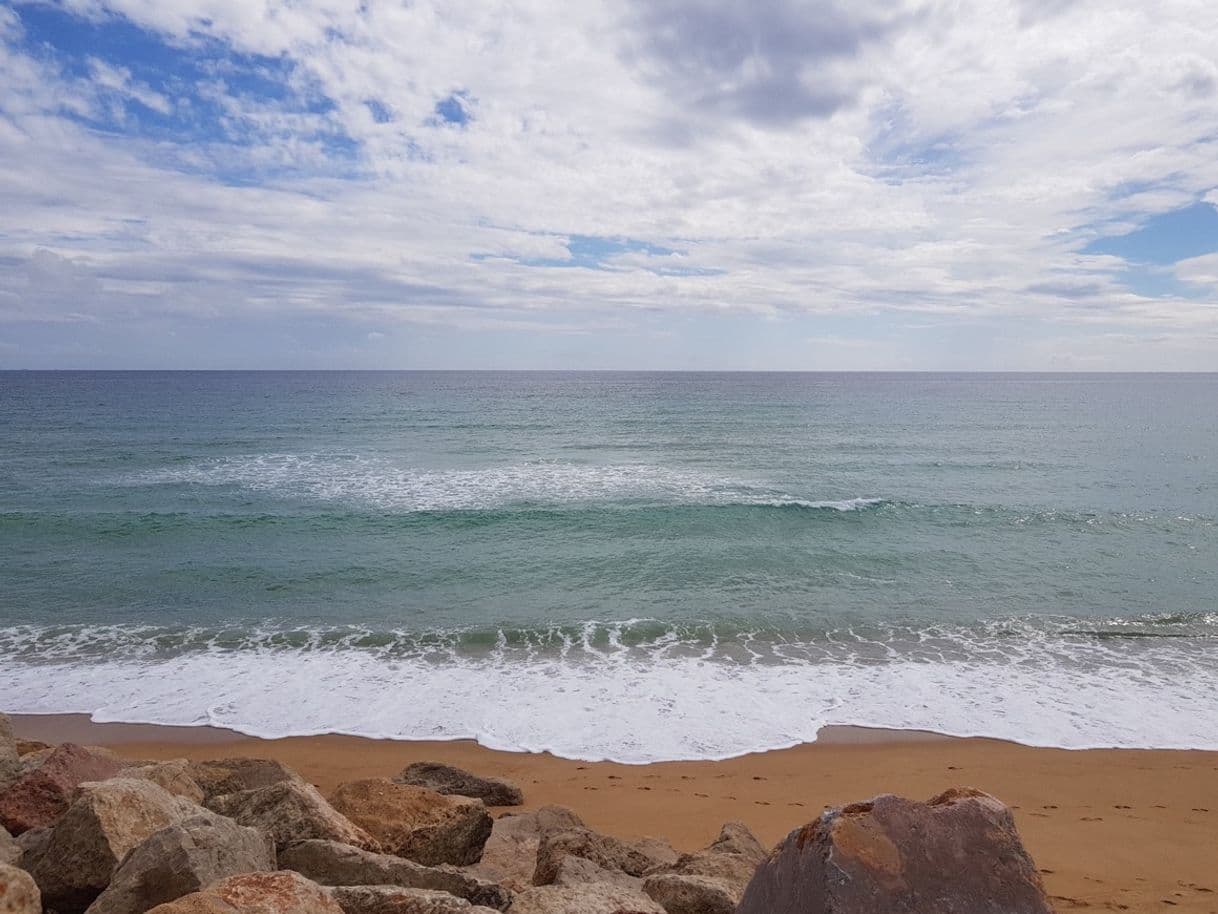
<point>615,565</point>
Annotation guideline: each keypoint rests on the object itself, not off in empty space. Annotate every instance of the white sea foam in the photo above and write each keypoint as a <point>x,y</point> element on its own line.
<point>382,484</point>
<point>667,698</point>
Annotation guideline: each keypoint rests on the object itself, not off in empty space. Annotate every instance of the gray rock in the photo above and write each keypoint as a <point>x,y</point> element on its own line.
<point>218,777</point>
<point>709,881</point>
<point>448,779</point>
<point>388,899</point>
<point>331,863</point>
<point>173,776</point>
<point>605,851</point>
<point>578,871</point>
<point>256,893</point>
<point>18,893</point>
<point>679,894</point>
<point>959,852</point>
<point>510,854</point>
<point>10,850</point>
<point>583,899</point>
<point>105,821</point>
<point>181,859</point>
<point>291,811</point>
<point>417,823</point>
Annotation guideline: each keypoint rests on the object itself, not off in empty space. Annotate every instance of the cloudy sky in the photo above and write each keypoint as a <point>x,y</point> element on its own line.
<point>997,184</point>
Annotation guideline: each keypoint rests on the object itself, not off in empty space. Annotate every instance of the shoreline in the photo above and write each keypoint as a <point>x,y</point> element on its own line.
<point>1110,829</point>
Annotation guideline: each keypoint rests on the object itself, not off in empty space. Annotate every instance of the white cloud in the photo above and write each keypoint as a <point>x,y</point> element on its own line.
<point>823,159</point>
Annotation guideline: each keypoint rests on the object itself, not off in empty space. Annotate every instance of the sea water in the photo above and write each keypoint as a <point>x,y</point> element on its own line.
<point>615,565</point>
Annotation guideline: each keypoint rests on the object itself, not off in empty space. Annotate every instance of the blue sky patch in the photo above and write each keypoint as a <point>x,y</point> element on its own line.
<point>1165,239</point>
<point>454,109</point>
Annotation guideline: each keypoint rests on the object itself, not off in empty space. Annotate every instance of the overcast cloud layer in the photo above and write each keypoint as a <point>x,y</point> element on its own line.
<point>654,184</point>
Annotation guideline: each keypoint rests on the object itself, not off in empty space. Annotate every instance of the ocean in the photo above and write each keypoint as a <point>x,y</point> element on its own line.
<point>628,566</point>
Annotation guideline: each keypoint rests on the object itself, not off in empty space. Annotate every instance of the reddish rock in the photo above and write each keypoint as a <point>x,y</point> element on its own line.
<point>256,893</point>
<point>417,823</point>
<point>448,779</point>
<point>959,852</point>
<point>40,797</point>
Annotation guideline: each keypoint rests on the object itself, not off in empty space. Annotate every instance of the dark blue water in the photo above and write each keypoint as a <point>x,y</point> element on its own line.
<point>873,548</point>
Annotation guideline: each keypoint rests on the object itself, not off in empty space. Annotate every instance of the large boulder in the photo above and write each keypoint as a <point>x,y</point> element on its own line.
<point>710,881</point>
<point>10,850</point>
<point>959,852</point>
<point>331,863</point>
<point>291,811</point>
<point>173,776</point>
<point>39,797</point>
<point>605,851</point>
<point>18,893</point>
<point>448,779</point>
<point>583,899</point>
<point>184,858</point>
<point>388,899</point>
<point>417,823</point>
<point>105,821</point>
<point>10,756</point>
<point>256,893</point>
<point>218,777</point>
<point>510,854</point>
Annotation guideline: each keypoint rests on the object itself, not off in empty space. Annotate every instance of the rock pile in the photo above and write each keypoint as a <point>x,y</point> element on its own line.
<point>86,832</point>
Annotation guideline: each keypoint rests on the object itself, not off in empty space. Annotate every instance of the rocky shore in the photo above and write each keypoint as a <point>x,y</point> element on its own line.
<point>84,830</point>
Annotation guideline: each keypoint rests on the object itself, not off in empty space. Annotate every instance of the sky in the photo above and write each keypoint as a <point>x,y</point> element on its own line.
<point>635,184</point>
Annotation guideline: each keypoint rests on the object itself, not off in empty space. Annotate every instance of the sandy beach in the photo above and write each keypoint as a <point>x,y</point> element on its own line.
<point>1119,830</point>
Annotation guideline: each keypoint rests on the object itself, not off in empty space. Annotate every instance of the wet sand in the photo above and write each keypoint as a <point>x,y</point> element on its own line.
<point>1111,829</point>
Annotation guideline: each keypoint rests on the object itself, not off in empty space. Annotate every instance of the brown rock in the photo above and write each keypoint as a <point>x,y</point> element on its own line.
<point>447,779</point>
<point>387,899</point>
<point>181,859</point>
<point>510,854</point>
<point>331,863</point>
<point>173,776</point>
<point>679,894</point>
<point>218,777</point>
<point>578,871</point>
<point>291,811</point>
<point>40,797</point>
<point>583,899</point>
<point>10,850</point>
<point>959,852</point>
<point>256,893</point>
<point>105,821</point>
<point>18,893</point>
<point>604,850</point>
<point>26,746</point>
<point>416,823</point>
<point>710,881</point>
<point>10,755</point>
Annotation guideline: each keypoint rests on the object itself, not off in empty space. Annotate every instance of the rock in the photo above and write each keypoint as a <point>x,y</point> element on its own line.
<point>583,899</point>
<point>10,755</point>
<point>18,893</point>
<point>33,844</point>
<point>39,797</point>
<point>26,746</point>
<point>387,899</point>
<point>658,849</point>
<point>578,871</point>
<point>291,811</point>
<point>416,823</point>
<point>510,854</point>
<point>447,779</point>
<point>10,850</point>
<point>679,894</point>
<point>256,893</point>
<point>184,858</point>
<point>604,850</point>
<point>711,880</point>
<point>218,777</point>
<point>105,821</point>
<point>959,852</point>
<point>173,776</point>
<point>331,863</point>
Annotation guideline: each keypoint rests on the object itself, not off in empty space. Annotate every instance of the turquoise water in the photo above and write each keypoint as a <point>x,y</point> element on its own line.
<point>633,566</point>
